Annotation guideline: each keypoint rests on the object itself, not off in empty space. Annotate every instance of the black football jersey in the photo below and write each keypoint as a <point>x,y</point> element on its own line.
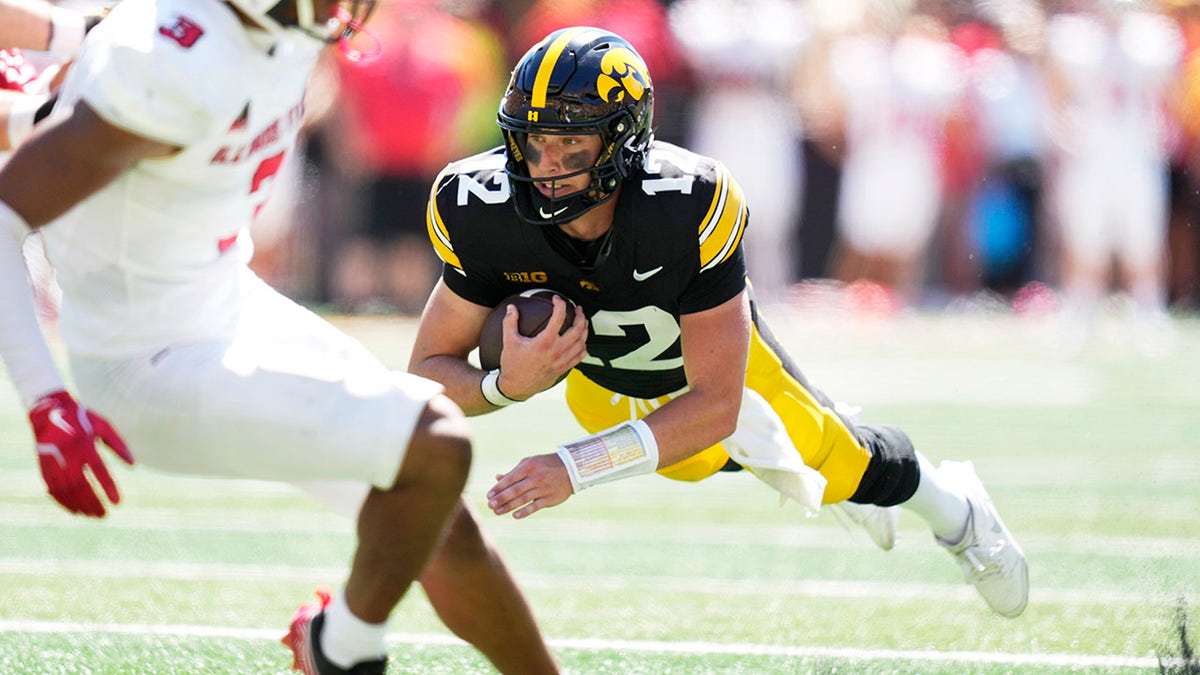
<point>675,249</point>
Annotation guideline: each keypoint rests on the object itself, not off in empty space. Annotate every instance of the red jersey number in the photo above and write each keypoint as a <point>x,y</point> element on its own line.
<point>266,170</point>
<point>184,31</point>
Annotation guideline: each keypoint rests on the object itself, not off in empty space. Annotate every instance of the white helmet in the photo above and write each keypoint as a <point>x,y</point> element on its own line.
<point>324,20</point>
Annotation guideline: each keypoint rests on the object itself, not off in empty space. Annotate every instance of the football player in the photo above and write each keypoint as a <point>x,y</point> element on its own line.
<point>672,368</point>
<point>144,181</point>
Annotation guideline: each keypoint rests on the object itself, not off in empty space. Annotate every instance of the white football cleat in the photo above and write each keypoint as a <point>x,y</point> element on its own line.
<point>879,521</point>
<point>988,555</point>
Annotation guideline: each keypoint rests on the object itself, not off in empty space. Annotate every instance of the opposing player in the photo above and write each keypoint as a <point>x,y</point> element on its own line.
<point>169,128</point>
<point>673,369</point>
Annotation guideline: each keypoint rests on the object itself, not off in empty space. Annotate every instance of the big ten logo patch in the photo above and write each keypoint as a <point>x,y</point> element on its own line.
<point>526,277</point>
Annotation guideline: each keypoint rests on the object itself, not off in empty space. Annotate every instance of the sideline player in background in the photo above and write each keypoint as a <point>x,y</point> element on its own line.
<point>161,149</point>
<point>674,371</point>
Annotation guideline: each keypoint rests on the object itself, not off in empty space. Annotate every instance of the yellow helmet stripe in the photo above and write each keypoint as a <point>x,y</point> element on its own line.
<point>438,234</point>
<point>723,225</point>
<point>541,82</point>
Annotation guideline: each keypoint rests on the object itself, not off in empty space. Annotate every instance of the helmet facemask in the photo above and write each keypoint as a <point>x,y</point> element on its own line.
<point>607,172</point>
<point>607,92</point>
<point>312,19</point>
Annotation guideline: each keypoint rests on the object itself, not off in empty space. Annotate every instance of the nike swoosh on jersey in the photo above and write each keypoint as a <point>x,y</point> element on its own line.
<point>642,276</point>
<point>548,216</point>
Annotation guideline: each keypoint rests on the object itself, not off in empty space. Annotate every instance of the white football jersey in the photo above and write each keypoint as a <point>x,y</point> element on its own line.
<point>158,257</point>
<point>898,94</point>
<point>1116,73</point>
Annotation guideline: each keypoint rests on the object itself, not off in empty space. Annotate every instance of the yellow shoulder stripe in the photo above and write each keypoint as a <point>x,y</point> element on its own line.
<point>723,225</point>
<point>438,235</point>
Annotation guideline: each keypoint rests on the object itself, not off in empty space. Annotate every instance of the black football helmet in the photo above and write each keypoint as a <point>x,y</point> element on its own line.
<point>577,81</point>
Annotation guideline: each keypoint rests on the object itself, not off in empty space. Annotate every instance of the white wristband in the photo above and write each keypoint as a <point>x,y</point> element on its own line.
<point>628,449</point>
<point>67,31</point>
<point>490,386</point>
<point>22,346</point>
<point>20,118</point>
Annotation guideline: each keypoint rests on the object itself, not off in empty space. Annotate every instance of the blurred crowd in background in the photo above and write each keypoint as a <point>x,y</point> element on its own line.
<point>1039,156</point>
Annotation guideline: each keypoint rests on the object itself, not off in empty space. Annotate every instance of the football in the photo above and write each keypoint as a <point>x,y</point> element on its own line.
<point>534,308</point>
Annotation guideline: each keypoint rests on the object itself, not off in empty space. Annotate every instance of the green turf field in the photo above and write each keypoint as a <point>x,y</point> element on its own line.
<point>1092,457</point>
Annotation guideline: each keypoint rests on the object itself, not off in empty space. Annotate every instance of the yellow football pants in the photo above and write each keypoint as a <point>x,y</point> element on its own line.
<point>823,440</point>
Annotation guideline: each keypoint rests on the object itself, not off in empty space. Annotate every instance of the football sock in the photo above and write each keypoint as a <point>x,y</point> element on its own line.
<point>940,502</point>
<point>347,639</point>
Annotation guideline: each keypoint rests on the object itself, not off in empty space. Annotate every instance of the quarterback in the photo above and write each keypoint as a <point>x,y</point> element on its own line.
<point>672,369</point>
<point>169,128</point>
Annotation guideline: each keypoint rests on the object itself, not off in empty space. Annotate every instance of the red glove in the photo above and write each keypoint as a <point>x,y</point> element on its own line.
<point>66,435</point>
<point>15,71</point>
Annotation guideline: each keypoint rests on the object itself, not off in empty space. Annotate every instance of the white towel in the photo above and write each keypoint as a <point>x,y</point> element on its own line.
<point>761,444</point>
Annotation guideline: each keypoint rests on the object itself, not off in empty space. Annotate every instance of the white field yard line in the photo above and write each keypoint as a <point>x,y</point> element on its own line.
<point>561,531</point>
<point>594,644</point>
<point>813,588</point>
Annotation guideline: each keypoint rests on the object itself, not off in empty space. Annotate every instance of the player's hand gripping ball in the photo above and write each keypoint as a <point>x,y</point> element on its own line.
<point>534,308</point>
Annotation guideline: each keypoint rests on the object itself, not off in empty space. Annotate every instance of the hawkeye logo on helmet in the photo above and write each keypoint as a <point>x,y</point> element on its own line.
<point>622,72</point>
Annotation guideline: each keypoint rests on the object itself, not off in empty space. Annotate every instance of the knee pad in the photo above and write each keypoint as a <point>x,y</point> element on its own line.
<point>893,473</point>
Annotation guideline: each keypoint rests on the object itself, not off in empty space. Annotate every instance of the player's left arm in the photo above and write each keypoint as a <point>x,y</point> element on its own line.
<point>716,349</point>
<point>68,161</point>
<point>48,175</point>
<point>716,346</point>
